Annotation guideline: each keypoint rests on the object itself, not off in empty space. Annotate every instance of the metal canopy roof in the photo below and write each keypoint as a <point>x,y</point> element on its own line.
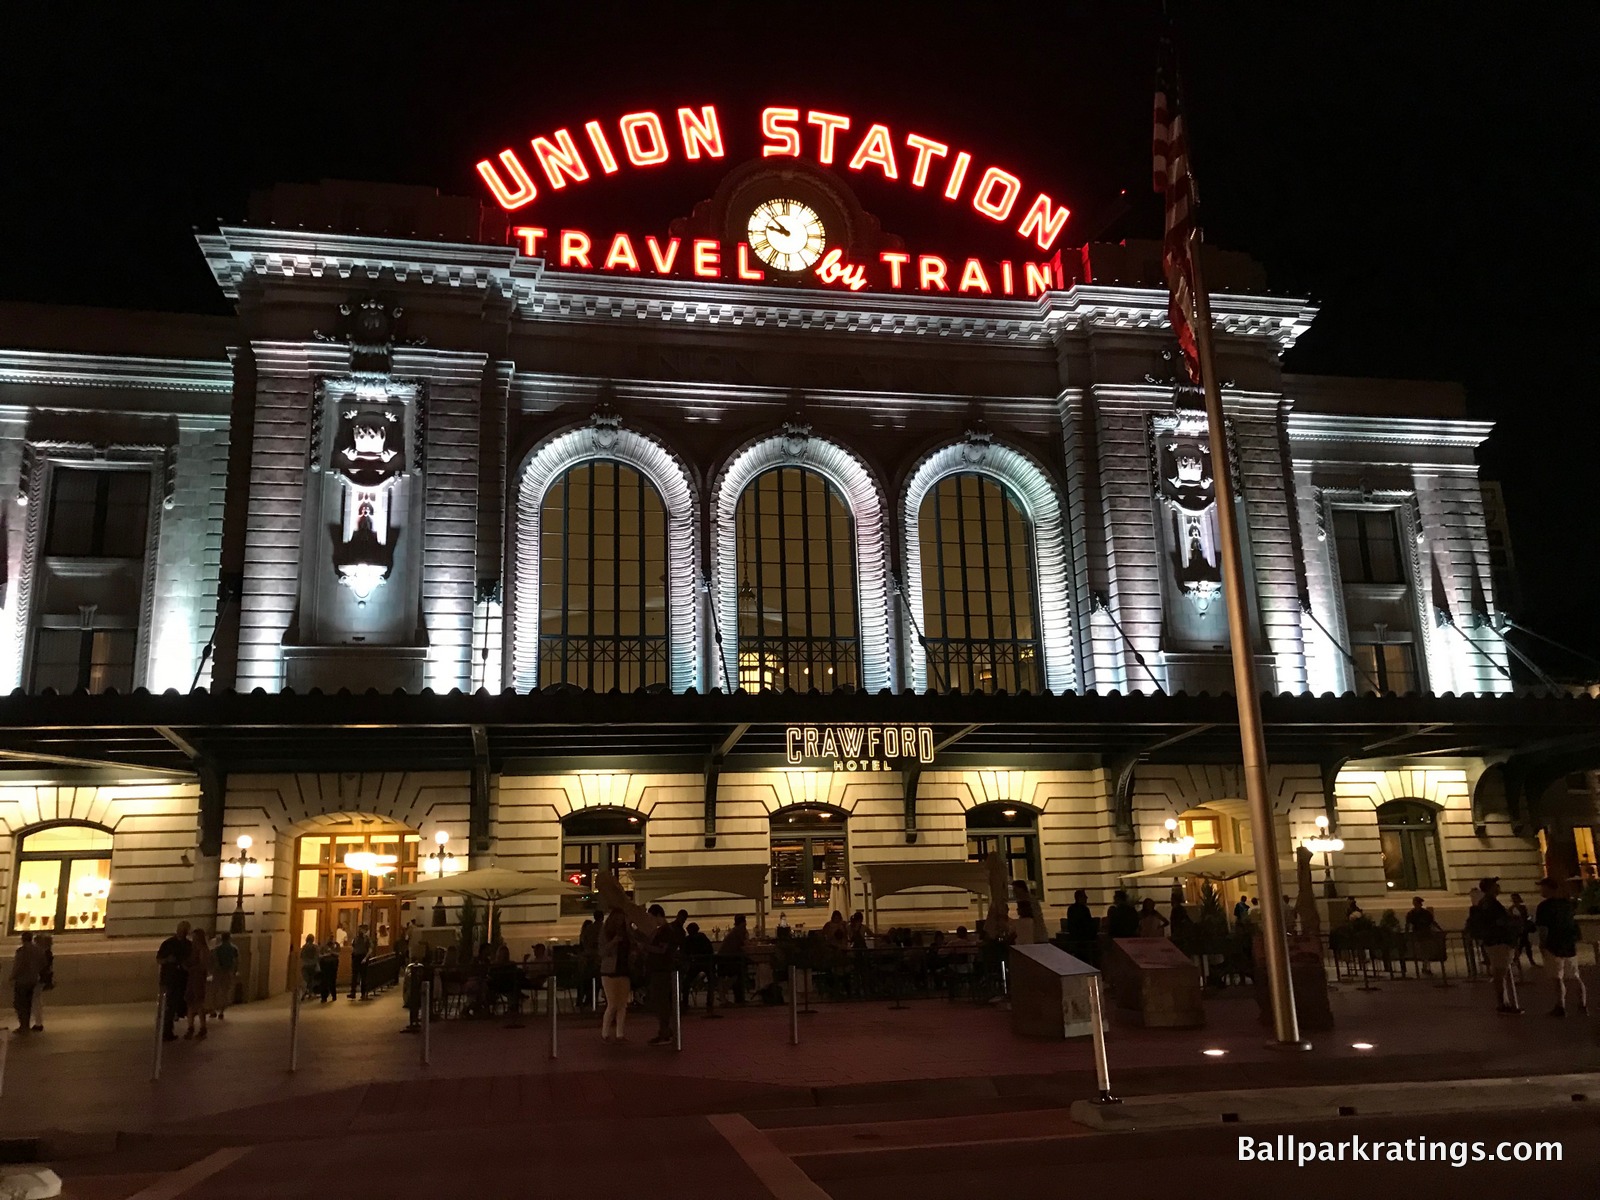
<point>562,729</point>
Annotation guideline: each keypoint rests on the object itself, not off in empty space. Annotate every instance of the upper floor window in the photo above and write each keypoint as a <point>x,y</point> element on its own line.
<point>91,580</point>
<point>797,584</point>
<point>63,879</point>
<point>980,622</point>
<point>1369,545</point>
<point>603,580</point>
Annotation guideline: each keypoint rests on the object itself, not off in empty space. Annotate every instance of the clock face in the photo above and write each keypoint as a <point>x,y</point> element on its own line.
<point>787,235</point>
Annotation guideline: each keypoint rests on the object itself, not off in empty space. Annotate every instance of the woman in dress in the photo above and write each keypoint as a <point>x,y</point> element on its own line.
<point>195,990</point>
<point>616,974</point>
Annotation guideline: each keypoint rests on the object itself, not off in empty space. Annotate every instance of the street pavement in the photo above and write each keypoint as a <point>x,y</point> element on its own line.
<point>931,1099</point>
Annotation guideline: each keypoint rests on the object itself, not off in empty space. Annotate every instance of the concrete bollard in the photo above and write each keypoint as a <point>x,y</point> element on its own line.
<point>161,1014</point>
<point>794,1006</point>
<point>427,1017</point>
<point>554,1031</point>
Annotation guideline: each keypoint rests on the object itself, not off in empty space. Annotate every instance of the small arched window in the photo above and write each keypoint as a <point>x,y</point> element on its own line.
<point>596,841</point>
<point>63,879</point>
<point>808,855</point>
<point>1009,830</point>
<point>1408,836</point>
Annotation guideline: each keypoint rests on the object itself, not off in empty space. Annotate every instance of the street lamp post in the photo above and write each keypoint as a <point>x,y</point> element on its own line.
<point>1173,846</point>
<point>241,866</point>
<point>441,859</point>
<point>1326,846</point>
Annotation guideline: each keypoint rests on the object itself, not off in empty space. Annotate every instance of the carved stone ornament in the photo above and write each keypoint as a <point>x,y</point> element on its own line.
<point>368,459</point>
<point>975,445</point>
<point>1185,487</point>
<point>796,436</point>
<point>368,327</point>
<point>605,424</point>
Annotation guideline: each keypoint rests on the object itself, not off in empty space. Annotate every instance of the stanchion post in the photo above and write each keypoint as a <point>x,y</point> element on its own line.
<point>794,1005</point>
<point>427,1017</point>
<point>1102,1065</point>
<point>161,1021</point>
<point>294,1030</point>
<point>677,1011</point>
<point>554,1034</point>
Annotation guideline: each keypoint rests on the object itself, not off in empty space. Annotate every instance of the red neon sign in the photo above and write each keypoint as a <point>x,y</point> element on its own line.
<point>642,139</point>
<point>706,258</point>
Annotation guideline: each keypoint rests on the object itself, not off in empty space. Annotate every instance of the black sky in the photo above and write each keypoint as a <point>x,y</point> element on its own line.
<point>1424,172</point>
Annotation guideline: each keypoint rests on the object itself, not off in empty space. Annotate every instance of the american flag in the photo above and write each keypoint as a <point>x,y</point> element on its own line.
<point>1172,178</point>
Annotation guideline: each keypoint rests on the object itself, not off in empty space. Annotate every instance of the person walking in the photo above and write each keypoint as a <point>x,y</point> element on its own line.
<point>309,954</point>
<point>1557,923</point>
<point>47,980</point>
<point>27,972</point>
<point>616,974</point>
<point>1519,913</point>
<point>662,955</point>
<point>196,984</point>
<point>224,974</point>
<point>173,955</point>
<point>328,971</point>
<point>1494,928</point>
<point>360,949</point>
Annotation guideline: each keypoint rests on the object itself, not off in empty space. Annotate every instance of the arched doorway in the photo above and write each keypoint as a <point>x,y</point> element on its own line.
<point>341,871</point>
<point>1010,830</point>
<point>1218,827</point>
<point>595,841</point>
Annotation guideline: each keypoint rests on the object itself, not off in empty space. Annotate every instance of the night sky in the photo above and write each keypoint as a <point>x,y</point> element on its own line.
<point>1420,174</point>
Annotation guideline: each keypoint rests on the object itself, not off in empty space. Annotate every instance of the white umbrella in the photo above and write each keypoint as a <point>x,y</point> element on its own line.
<point>1202,866</point>
<point>493,885</point>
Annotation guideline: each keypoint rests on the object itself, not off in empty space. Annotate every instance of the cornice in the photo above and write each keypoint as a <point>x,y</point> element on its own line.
<point>57,369</point>
<point>540,294</point>
<point>568,387</point>
<point>1404,431</point>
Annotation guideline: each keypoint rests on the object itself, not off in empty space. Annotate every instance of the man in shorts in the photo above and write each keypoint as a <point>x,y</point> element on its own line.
<point>1558,944</point>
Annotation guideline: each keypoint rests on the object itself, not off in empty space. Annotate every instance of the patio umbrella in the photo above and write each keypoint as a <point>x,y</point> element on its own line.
<point>492,885</point>
<point>1203,866</point>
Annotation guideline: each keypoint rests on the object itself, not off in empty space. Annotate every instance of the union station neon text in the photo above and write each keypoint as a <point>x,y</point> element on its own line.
<point>642,140</point>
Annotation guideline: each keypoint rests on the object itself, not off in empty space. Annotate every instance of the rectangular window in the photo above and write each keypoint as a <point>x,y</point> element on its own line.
<point>1369,545</point>
<point>1388,667</point>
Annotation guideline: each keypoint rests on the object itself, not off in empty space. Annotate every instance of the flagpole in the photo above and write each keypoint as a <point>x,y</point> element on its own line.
<point>1269,879</point>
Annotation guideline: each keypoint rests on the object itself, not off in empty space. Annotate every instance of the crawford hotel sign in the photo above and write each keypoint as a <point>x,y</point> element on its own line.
<point>792,229</point>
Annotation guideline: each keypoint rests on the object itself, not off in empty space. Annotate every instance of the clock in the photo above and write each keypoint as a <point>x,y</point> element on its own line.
<point>787,234</point>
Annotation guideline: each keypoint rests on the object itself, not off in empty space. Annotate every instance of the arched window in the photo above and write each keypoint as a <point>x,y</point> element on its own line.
<point>797,584</point>
<point>1408,836</point>
<point>978,595</point>
<point>63,879</point>
<point>600,840</point>
<point>1009,830</point>
<point>808,855</point>
<point>603,580</point>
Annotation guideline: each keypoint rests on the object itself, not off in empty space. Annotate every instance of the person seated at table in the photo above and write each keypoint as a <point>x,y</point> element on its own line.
<point>962,939</point>
<point>699,957</point>
<point>836,933</point>
<point>505,980</point>
<point>731,957</point>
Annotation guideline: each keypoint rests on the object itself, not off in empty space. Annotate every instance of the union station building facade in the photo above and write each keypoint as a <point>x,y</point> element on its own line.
<point>592,570</point>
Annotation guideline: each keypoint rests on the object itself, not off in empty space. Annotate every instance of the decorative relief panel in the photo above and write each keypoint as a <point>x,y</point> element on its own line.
<point>1185,488</point>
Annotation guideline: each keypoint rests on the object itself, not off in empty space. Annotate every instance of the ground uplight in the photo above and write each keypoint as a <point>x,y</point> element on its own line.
<point>1213,1052</point>
<point>1361,1045</point>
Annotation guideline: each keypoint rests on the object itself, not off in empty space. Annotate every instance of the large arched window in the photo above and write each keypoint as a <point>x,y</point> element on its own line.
<point>1408,837</point>
<point>978,593</point>
<point>63,879</point>
<point>598,840</point>
<point>1009,830</point>
<point>808,855</point>
<point>603,580</point>
<point>797,584</point>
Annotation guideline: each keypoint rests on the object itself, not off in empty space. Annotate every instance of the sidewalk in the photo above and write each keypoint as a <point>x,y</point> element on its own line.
<point>91,1070</point>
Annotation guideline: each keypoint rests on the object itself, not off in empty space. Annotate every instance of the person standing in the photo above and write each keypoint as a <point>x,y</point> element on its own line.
<point>1495,929</point>
<point>224,974</point>
<point>1241,911</point>
<point>1557,924</point>
<point>27,972</point>
<point>47,980</point>
<point>173,955</point>
<point>663,952</point>
<point>360,948</point>
<point>309,956</point>
<point>328,971</point>
<point>616,974</point>
<point>1122,918</point>
<point>1519,913</point>
<point>1421,927</point>
<point>196,986</point>
<point>699,958</point>
<point>731,956</point>
<point>1151,923</point>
